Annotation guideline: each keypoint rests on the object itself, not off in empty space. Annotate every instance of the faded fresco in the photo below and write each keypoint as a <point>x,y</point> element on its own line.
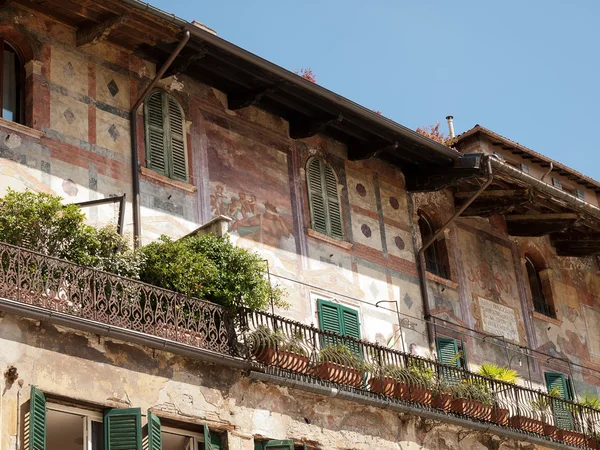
<point>249,183</point>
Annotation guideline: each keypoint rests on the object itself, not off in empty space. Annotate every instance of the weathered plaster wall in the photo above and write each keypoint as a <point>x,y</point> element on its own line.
<point>78,142</point>
<point>487,267</point>
<point>115,374</point>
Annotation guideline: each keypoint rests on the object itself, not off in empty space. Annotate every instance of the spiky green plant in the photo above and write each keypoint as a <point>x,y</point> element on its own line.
<point>589,400</point>
<point>500,373</point>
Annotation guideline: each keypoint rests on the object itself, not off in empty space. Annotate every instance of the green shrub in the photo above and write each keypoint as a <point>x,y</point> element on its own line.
<point>40,222</point>
<point>212,268</point>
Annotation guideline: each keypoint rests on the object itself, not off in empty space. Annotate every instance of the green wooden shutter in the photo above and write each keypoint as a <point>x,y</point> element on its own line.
<point>316,198</point>
<point>350,322</point>
<point>330,319</point>
<point>279,445</point>
<point>334,213</point>
<point>211,442</point>
<point>122,429</point>
<point>155,132</point>
<point>37,420</point>
<point>447,350</point>
<point>154,432</point>
<point>177,154</point>
<point>351,327</point>
<point>560,409</point>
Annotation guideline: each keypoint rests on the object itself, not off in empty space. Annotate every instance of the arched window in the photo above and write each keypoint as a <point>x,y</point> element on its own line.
<point>324,199</point>
<point>11,82</point>
<point>436,256</point>
<point>165,135</point>
<point>540,303</point>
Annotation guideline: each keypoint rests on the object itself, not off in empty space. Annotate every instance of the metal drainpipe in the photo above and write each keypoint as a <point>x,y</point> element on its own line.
<point>135,164</point>
<point>426,245</point>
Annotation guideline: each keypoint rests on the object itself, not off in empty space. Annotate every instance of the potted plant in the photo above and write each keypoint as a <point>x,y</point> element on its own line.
<point>339,364</point>
<point>442,396</point>
<point>383,380</point>
<point>591,402</point>
<point>499,373</point>
<point>420,379</point>
<point>277,349</point>
<point>473,397</point>
<point>540,408</point>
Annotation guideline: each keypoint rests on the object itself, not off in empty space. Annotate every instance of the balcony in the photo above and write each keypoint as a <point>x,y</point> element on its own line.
<point>285,351</point>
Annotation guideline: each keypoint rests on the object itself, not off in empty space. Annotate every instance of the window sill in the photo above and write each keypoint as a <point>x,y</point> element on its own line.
<point>440,280</point>
<point>323,237</point>
<point>150,175</point>
<point>21,129</point>
<point>540,316</point>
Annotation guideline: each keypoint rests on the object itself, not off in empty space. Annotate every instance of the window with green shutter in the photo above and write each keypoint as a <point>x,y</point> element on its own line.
<point>165,135</point>
<point>37,420</point>
<point>338,319</point>
<point>451,352</point>
<point>274,445</point>
<point>324,199</point>
<point>122,429</point>
<point>559,384</point>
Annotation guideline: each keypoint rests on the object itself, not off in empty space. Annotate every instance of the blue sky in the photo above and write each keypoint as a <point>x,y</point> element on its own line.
<point>527,69</point>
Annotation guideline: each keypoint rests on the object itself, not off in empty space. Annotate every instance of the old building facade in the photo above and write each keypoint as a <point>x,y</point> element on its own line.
<point>337,199</point>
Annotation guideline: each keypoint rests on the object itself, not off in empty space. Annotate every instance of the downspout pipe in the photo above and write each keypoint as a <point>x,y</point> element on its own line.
<point>421,253</point>
<point>135,164</point>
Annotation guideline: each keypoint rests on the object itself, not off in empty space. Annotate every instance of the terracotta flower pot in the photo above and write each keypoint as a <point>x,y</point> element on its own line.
<point>462,406</point>
<point>550,431</point>
<point>421,395</point>
<point>293,361</point>
<point>527,424</point>
<point>339,374</point>
<point>571,437</point>
<point>266,355</point>
<point>593,442</point>
<point>442,401</point>
<point>499,415</point>
<point>481,411</point>
<point>383,385</point>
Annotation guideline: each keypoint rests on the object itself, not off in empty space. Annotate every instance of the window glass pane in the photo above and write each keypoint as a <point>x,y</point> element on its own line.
<point>171,441</point>
<point>64,431</point>
<point>10,94</point>
<point>97,436</point>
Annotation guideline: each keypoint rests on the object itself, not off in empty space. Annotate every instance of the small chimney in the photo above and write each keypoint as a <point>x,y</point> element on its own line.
<point>450,125</point>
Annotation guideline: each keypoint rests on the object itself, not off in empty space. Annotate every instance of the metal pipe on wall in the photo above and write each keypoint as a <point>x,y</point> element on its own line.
<point>421,253</point>
<point>135,164</point>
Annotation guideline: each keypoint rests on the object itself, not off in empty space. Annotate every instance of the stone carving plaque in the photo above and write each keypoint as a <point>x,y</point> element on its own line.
<point>498,319</point>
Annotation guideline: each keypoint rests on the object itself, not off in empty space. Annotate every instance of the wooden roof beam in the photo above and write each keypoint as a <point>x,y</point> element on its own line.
<point>366,151</point>
<point>492,202</point>
<point>250,98</point>
<point>533,225</point>
<point>300,129</point>
<point>99,32</point>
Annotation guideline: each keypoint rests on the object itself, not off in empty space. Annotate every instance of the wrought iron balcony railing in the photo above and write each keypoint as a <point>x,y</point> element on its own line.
<point>56,285</point>
<point>291,349</point>
<point>285,347</point>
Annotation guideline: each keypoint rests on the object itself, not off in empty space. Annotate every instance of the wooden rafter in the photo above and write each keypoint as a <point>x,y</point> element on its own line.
<point>300,129</point>
<point>540,224</point>
<point>493,202</point>
<point>99,32</point>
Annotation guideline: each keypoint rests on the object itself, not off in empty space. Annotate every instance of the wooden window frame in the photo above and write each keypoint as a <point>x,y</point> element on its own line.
<point>21,81</point>
<point>542,303</point>
<point>436,257</point>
